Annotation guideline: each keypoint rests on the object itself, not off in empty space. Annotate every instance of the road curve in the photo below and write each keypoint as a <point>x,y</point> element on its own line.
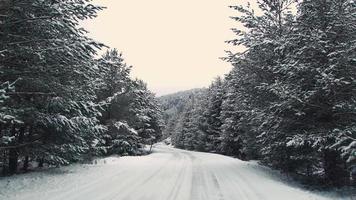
<point>167,174</point>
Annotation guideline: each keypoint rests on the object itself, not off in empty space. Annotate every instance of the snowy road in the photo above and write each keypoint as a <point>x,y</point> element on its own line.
<point>167,174</point>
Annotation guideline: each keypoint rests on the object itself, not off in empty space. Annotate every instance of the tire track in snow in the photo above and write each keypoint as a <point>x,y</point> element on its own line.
<point>198,182</point>
<point>179,179</point>
<point>126,195</point>
<point>220,196</point>
<point>167,174</point>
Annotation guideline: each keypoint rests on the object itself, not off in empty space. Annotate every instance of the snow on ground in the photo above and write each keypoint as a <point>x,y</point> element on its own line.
<point>167,174</point>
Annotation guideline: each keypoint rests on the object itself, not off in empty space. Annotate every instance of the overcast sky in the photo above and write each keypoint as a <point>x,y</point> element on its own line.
<point>172,45</point>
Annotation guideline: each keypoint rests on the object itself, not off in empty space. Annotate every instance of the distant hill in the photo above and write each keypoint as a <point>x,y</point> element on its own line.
<point>174,104</point>
<point>176,99</point>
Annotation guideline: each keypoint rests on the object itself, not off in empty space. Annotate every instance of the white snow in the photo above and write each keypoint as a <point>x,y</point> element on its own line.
<point>167,174</point>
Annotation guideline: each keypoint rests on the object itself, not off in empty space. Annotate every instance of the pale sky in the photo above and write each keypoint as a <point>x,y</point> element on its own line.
<point>172,45</point>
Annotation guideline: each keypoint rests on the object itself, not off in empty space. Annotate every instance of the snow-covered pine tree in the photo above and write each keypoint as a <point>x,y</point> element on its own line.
<point>145,113</point>
<point>233,138</point>
<point>190,127</point>
<point>193,123</point>
<point>187,128</point>
<point>173,105</point>
<point>212,115</point>
<point>297,83</point>
<point>114,76</point>
<point>257,71</point>
<point>130,110</point>
<point>44,49</point>
<point>320,83</point>
<point>7,119</point>
<point>111,86</point>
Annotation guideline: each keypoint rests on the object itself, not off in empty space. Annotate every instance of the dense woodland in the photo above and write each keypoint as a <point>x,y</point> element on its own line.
<point>290,99</point>
<point>173,106</point>
<point>61,102</point>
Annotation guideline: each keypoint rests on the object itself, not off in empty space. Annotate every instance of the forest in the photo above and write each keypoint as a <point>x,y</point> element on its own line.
<point>290,99</point>
<point>288,102</point>
<point>61,102</point>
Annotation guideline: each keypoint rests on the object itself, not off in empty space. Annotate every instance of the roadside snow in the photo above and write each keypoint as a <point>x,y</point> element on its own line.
<point>167,174</point>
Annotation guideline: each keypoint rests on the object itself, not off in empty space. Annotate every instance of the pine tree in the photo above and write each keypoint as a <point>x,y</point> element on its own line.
<point>44,49</point>
<point>145,113</point>
<point>212,115</point>
<point>258,73</point>
<point>321,83</point>
<point>190,127</point>
<point>114,76</point>
<point>112,86</point>
<point>232,134</point>
<point>295,84</point>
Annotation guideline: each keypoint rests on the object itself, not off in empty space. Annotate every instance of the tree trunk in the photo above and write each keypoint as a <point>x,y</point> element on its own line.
<point>335,173</point>
<point>27,158</point>
<point>3,154</point>
<point>21,135</point>
<point>26,163</point>
<point>151,147</point>
<point>13,155</point>
<point>13,159</point>
<point>41,162</point>
<point>4,166</point>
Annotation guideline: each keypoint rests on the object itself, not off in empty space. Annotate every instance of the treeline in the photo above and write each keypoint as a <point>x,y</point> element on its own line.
<point>173,106</point>
<point>290,99</point>
<point>59,102</point>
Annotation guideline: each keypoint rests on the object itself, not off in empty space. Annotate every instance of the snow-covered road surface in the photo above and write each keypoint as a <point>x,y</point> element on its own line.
<point>167,174</point>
